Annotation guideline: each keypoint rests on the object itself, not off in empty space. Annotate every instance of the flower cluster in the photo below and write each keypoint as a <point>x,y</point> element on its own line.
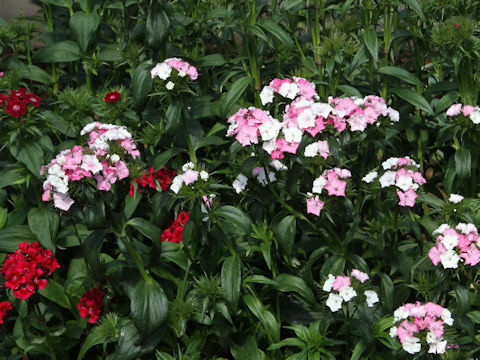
<point>472,112</point>
<point>93,162</point>
<point>419,324</point>
<point>401,172</point>
<point>112,97</point>
<point>4,307</point>
<point>162,176</point>
<point>289,89</point>
<point>18,100</point>
<point>188,177</point>
<point>454,245</point>
<point>91,304</point>
<point>174,232</point>
<point>164,69</point>
<point>24,269</point>
<point>330,180</point>
<point>340,289</point>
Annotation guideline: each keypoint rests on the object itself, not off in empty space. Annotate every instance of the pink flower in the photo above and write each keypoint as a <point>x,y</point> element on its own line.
<point>407,198</point>
<point>434,255</point>
<point>454,110</point>
<point>360,275</point>
<point>433,309</point>
<point>341,281</point>
<point>190,176</point>
<point>335,186</point>
<point>122,170</point>
<point>314,206</point>
<point>62,201</point>
<point>323,149</point>
<point>102,183</point>
<point>468,109</point>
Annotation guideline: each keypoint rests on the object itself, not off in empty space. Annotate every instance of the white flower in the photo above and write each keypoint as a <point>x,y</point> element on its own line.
<point>455,198</point>
<point>266,95</point>
<point>389,163</point>
<point>61,159</point>
<point>292,134</point>
<point>182,73</point>
<point>91,163</point>
<point>449,259</point>
<point>262,179</point>
<point>431,338</point>
<point>177,183</point>
<point>270,145</point>
<point>289,90</point>
<point>404,182</point>
<point>60,185</point>
<point>447,317</point>
<point>114,158</point>
<point>393,331</point>
<point>387,179</point>
<point>328,283</point>
<point>438,348</point>
<point>400,314</point>
<point>347,293</point>
<point>466,228</point>
<point>170,85</point>
<point>322,109</point>
<point>450,241</point>
<point>334,302</point>
<point>372,297</point>
<point>270,129</point>
<point>311,150</point>
<point>240,183</point>
<point>306,119</point>
<point>372,175</point>
<point>277,165</point>
<point>204,175</point>
<point>318,185</point>
<point>187,166</point>
<point>411,345</point>
<point>161,70</point>
<point>56,170</point>
<point>393,114</point>
<point>475,116</point>
<point>441,229</point>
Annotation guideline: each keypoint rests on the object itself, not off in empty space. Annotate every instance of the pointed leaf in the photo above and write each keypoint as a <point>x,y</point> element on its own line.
<point>231,280</point>
<point>285,232</point>
<point>371,42</point>
<point>44,224</point>
<point>401,74</point>
<point>414,98</point>
<point>463,162</point>
<point>84,26</point>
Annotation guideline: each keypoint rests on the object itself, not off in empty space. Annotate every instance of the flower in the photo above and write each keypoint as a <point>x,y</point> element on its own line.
<point>372,175</point>
<point>360,275</point>
<point>174,232</point>
<point>334,302</point>
<point>16,108</point>
<point>24,269</point>
<point>371,297</point>
<point>314,205</point>
<point>170,85</point>
<point>455,198</point>
<point>4,307</point>
<point>91,304</point>
<point>112,97</point>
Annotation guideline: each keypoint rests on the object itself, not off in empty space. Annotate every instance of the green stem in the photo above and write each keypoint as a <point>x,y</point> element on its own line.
<point>136,258</point>
<point>42,321</point>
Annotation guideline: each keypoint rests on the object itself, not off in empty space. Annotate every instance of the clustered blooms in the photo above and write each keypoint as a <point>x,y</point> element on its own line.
<point>421,324</point>
<point>303,115</point>
<point>18,100</point>
<point>164,69</point>
<point>330,180</point>
<point>91,304</point>
<point>341,289</point>
<point>163,176</point>
<point>174,232</point>
<point>188,177</point>
<point>4,307</point>
<point>93,162</point>
<point>24,269</point>
<point>472,112</point>
<point>454,245</point>
<point>401,172</point>
<point>112,97</point>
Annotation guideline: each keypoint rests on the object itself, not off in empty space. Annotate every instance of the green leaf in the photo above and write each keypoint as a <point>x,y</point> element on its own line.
<point>11,236</point>
<point>235,218</point>
<point>84,26</point>
<point>146,228</point>
<point>291,283</point>
<point>10,175</point>
<point>149,306</point>
<point>157,27</point>
<point>350,90</point>
<point>358,350</point>
<point>162,159</point>
<point>236,91</point>
<point>269,323</point>
<point>371,42</point>
<point>44,225</point>
<point>174,117</point>
<point>105,332</point>
<point>463,301</point>
<point>141,84</point>
<point>475,316</point>
<point>30,154</point>
<point>387,291</point>
<point>3,217</point>
<point>231,280</point>
<point>414,98</point>
<point>55,292</point>
<point>463,162</point>
<point>285,232</point>
<point>131,203</point>
<point>446,100</point>
<point>211,60</point>
<point>91,248</point>
<point>34,73</point>
<point>249,350</point>
<point>417,7</point>
<point>401,74</point>
<point>110,52</point>
<point>65,51</point>
<point>275,30</point>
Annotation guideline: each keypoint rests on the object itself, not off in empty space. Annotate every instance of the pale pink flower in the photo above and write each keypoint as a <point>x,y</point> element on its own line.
<point>314,205</point>
<point>360,275</point>
<point>454,110</point>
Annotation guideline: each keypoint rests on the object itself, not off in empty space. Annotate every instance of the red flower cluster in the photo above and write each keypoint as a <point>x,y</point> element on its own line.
<point>163,176</point>
<point>91,304</point>
<point>4,307</point>
<point>174,233</point>
<point>22,270</point>
<point>17,102</point>
<point>112,97</point>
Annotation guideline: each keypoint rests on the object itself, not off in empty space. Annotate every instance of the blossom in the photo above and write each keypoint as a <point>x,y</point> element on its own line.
<point>334,302</point>
<point>327,286</point>
<point>16,108</point>
<point>174,232</point>
<point>454,110</point>
<point>170,85</point>
<point>455,198</point>
<point>4,307</point>
<point>372,175</point>
<point>91,303</point>
<point>360,275</point>
<point>407,198</point>
<point>240,183</point>
<point>112,97</point>
<point>411,345</point>
<point>371,297</point>
<point>314,205</point>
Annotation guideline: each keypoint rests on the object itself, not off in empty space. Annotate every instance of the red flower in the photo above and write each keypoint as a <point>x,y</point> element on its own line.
<point>3,99</point>
<point>112,97</point>
<point>175,232</point>
<point>4,307</point>
<point>163,176</point>
<point>20,93</point>
<point>16,108</point>
<point>91,304</point>
<point>34,99</point>
<point>22,270</point>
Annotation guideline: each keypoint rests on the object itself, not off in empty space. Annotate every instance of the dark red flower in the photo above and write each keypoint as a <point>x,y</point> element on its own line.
<point>112,97</point>
<point>34,99</point>
<point>16,108</point>
<point>4,307</point>
<point>22,270</point>
<point>163,176</point>
<point>91,304</point>
<point>174,233</point>
<point>20,93</point>
<point>3,99</point>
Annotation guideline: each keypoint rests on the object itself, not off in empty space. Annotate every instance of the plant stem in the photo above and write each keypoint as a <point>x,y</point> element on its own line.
<point>42,321</point>
<point>136,258</point>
